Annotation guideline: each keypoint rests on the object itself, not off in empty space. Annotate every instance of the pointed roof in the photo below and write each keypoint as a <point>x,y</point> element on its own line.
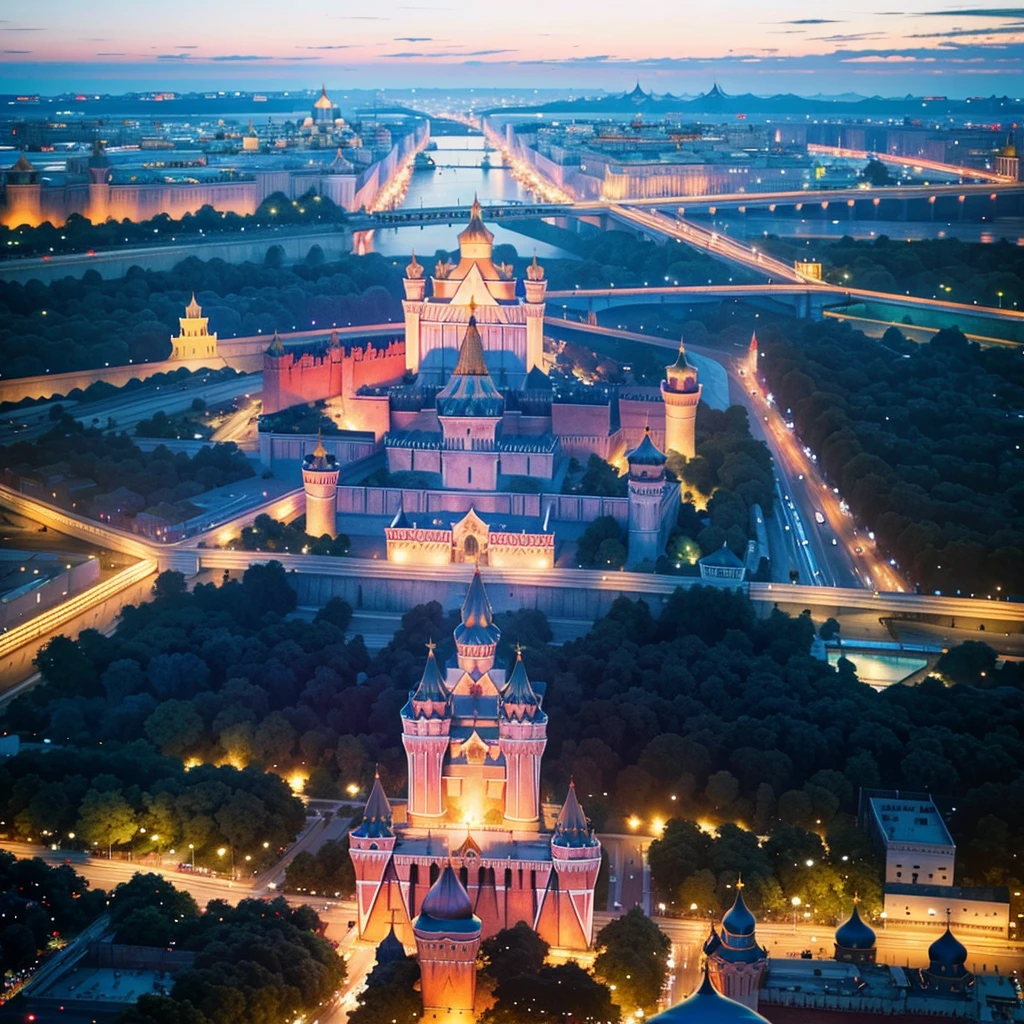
<point>447,907</point>
<point>334,341</point>
<point>99,158</point>
<point>477,628</point>
<point>682,374</point>
<point>723,558</point>
<point>470,391</point>
<point>251,133</point>
<point>708,1005</point>
<point>947,954</point>
<point>400,522</point>
<point>377,818</point>
<point>572,827</point>
<point>430,699</point>
<point>193,310</point>
<point>854,933</point>
<point>276,348</point>
<point>475,231</point>
<point>319,460</point>
<point>22,163</point>
<point>646,452</point>
<point>738,919</point>
<point>390,948</point>
<point>535,272</point>
<point>323,101</point>
<point>414,271</point>
<point>753,341</point>
<point>519,700</point>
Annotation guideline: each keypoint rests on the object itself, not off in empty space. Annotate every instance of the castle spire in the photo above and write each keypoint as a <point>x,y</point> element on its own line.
<point>377,817</point>
<point>430,699</point>
<point>572,827</point>
<point>519,700</point>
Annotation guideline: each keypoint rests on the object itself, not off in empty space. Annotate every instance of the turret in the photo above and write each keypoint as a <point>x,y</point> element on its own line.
<point>947,959</point>
<point>447,939</point>
<point>371,844</point>
<point>536,288</point>
<point>320,472</point>
<point>680,393</point>
<point>567,917</point>
<point>415,285</point>
<point>24,195</point>
<point>735,962</point>
<point>476,242</point>
<point>194,339</point>
<point>426,726</point>
<point>646,488</point>
<point>522,737</point>
<point>855,941</point>
<point>476,636</point>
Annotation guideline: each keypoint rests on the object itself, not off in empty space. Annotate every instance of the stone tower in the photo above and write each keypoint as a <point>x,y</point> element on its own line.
<point>24,195</point>
<point>735,962</point>
<point>426,726</point>
<point>646,490</point>
<point>536,289</point>
<point>447,939</point>
<point>680,391</point>
<point>100,176</point>
<point>567,917</point>
<point>522,737</point>
<point>320,482</point>
<point>415,285</point>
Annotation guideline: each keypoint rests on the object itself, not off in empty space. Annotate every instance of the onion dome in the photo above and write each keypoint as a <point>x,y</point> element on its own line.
<point>712,942</point>
<point>947,956</point>
<point>377,818</point>
<point>447,907</point>
<point>475,231</point>
<point>854,934</point>
<point>477,628</point>
<point>390,949</point>
<point>708,1006</point>
<point>1008,150</point>
<point>323,101</point>
<point>739,921</point>
<point>430,699</point>
<point>519,700</point>
<point>276,349</point>
<point>647,456</point>
<point>470,391</point>
<point>681,375</point>
<point>572,828</point>
<point>319,460</point>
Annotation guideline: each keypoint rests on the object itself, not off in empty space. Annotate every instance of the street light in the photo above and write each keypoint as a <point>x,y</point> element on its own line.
<point>796,903</point>
<point>192,851</point>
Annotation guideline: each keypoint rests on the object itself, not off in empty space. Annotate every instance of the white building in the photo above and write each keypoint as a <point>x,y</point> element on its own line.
<point>918,847</point>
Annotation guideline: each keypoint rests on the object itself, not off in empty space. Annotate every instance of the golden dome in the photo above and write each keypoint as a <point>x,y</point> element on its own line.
<point>1008,150</point>
<point>476,231</point>
<point>323,101</point>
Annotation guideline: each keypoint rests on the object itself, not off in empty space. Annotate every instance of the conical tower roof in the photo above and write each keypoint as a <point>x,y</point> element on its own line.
<point>470,391</point>
<point>319,460</point>
<point>477,628</point>
<point>572,827</point>
<point>377,817</point>
<point>193,310</point>
<point>323,101</point>
<point>22,163</point>
<point>476,231</point>
<point>519,700</point>
<point>430,699</point>
<point>276,348</point>
<point>447,907</point>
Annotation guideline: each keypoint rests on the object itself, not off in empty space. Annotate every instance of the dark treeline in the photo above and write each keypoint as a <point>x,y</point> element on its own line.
<point>726,712</point>
<point>947,268</point>
<point>88,323</point>
<point>79,234</point>
<point>923,441</point>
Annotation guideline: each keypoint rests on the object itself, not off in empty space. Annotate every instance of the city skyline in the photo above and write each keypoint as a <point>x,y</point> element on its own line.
<point>956,50</point>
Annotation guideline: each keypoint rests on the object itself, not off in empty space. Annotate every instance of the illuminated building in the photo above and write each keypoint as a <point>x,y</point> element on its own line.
<point>722,566</point>
<point>320,482</point>
<point>194,340</point>
<point>474,737</point>
<point>680,392</point>
<point>647,489</point>
<point>735,962</point>
<point>810,270</point>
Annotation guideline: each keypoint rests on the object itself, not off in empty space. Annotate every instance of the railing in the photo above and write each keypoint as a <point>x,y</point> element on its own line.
<point>50,620</point>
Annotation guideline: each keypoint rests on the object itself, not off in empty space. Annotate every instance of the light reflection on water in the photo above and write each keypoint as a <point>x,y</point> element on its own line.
<point>457,179</point>
<point>880,670</point>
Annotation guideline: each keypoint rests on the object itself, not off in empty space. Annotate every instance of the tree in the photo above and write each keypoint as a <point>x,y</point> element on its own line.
<point>512,952</point>
<point>175,727</point>
<point>390,996</point>
<point>105,819</point>
<point>971,662</point>
<point>169,584</point>
<point>632,952</point>
<point>876,174</point>
<point>589,546</point>
<point>563,994</point>
<point>699,893</point>
<point>337,612</point>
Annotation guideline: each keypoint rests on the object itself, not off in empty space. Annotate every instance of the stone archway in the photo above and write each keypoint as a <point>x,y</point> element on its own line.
<point>470,549</point>
<point>469,539</point>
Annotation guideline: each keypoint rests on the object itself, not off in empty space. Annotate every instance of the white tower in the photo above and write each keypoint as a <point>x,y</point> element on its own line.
<point>320,482</point>
<point>646,490</point>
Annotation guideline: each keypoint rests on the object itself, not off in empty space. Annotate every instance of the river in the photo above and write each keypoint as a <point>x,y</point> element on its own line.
<point>456,180</point>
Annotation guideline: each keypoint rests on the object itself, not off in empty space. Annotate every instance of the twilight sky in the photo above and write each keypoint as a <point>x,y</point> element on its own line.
<point>763,46</point>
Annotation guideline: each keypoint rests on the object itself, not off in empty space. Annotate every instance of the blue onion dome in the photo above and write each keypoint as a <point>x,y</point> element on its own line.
<point>739,920</point>
<point>854,933</point>
<point>712,942</point>
<point>708,1006</point>
<point>447,907</point>
<point>646,453</point>
<point>947,954</point>
<point>390,948</point>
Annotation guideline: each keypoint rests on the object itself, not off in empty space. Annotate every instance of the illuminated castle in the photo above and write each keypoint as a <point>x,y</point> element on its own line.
<point>474,738</point>
<point>194,340</point>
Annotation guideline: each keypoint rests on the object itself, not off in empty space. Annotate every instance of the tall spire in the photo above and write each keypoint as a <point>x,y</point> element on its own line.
<point>276,348</point>
<point>377,817</point>
<point>430,699</point>
<point>319,451</point>
<point>519,700</point>
<point>471,353</point>
<point>572,827</point>
<point>477,628</point>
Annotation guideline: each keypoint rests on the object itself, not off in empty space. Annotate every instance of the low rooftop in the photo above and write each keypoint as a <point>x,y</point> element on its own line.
<point>910,821</point>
